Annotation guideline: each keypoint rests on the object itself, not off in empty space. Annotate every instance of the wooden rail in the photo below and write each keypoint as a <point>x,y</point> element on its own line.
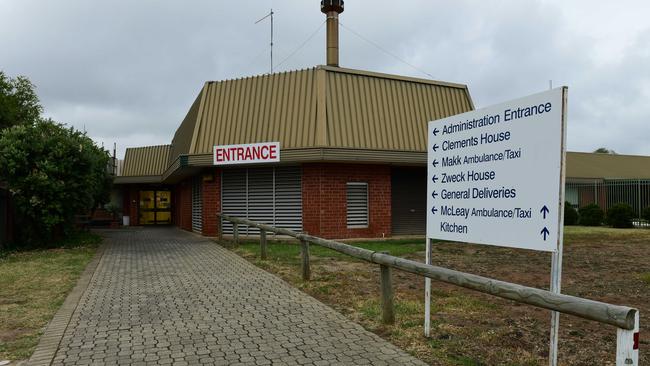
<point>619,316</point>
<point>623,317</point>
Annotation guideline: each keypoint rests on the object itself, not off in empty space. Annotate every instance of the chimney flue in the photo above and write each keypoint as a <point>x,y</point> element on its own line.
<point>332,9</point>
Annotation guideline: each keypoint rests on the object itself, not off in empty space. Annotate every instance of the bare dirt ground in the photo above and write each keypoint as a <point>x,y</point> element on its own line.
<point>470,328</point>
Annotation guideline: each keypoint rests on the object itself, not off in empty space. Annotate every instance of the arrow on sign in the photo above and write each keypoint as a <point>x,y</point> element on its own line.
<point>435,163</point>
<point>434,194</point>
<point>544,211</point>
<point>435,147</point>
<point>435,132</point>
<point>433,210</point>
<point>434,179</point>
<point>545,232</point>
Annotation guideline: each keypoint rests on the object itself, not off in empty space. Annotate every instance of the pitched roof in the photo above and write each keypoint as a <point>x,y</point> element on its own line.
<point>607,166</point>
<point>324,106</point>
<point>146,161</point>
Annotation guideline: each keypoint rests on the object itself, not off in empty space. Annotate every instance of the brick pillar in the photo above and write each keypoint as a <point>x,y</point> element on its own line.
<point>211,201</point>
<point>185,205</point>
<point>311,198</point>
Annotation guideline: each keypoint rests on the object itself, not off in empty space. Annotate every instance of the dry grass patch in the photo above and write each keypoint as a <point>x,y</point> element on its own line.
<point>33,285</point>
<point>469,328</point>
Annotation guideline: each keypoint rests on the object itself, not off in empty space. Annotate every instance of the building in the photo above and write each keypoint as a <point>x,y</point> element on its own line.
<point>607,179</point>
<point>352,153</point>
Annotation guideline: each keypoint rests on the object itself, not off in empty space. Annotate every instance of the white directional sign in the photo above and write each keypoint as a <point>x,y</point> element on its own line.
<point>495,174</point>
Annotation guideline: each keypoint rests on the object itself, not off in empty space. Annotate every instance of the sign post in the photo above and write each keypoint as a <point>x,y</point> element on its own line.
<point>496,177</point>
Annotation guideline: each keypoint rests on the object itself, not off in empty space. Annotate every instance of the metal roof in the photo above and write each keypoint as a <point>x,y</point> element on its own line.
<point>146,161</point>
<point>607,166</point>
<point>319,107</point>
<point>346,114</point>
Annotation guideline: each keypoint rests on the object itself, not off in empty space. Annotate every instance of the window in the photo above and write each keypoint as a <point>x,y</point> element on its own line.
<point>357,200</point>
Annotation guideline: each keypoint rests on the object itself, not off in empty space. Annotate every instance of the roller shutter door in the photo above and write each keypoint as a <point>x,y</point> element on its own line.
<point>197,205</point>
<point>288,198</point>
<point>409,201</point>
<point>233,195</point>
<point>260,198</point>
<point>268,195</point>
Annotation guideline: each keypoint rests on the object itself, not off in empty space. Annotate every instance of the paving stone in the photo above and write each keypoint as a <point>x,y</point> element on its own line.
<point>165,296</point>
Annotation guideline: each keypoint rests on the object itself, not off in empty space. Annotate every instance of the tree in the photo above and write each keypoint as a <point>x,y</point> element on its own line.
<point>19,103</point>
<point>53,173</point>
<point>604,150</point>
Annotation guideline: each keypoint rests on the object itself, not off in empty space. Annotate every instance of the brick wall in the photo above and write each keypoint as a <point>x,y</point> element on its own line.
<point>183,210</point>
<point>211,201</point>
<point>324,207</point>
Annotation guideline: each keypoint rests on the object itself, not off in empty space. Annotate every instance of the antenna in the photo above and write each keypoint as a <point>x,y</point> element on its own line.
<point>269,15</point>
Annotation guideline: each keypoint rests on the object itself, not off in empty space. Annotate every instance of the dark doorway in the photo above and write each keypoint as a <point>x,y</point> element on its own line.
<point>409,200</point>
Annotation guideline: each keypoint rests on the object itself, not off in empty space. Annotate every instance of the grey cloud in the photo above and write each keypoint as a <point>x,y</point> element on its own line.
<point>129,70</point>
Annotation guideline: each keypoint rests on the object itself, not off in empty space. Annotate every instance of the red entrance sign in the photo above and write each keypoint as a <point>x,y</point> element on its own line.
<point>263,152</point>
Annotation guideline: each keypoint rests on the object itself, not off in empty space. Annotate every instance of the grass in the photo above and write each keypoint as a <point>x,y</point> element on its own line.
<point>645,277</point>
<point>600,233</point>
<point>33,285</point>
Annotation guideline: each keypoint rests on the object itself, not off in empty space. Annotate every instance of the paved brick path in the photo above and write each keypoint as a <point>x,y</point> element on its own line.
<point>163,296</point>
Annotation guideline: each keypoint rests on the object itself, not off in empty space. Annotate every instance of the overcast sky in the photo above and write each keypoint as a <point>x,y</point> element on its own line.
<point>127,71</point>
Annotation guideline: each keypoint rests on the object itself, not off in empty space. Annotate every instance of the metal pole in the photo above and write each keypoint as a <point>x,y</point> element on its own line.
<point>556,275</point>
<point>627,345</point>
<point>556,257</point>
<point>271,41</point>
<point>638,192</point>
<point>427,293</point>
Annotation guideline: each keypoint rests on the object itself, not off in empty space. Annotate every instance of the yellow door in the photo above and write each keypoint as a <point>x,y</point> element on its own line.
<point>147,206</point>
<point>155,207</point>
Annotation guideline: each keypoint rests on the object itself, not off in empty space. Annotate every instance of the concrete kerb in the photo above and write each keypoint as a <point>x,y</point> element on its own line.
<point>51,338</point>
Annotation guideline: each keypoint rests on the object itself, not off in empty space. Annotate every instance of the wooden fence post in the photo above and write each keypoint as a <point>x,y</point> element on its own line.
<point>235,232</point>
<point>263,244</point>
<point>387,308</point>
<point>304,253</point>
<point>220,228</point>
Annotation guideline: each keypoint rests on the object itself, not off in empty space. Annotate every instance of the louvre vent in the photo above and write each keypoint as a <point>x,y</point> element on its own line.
<point>357,203</point>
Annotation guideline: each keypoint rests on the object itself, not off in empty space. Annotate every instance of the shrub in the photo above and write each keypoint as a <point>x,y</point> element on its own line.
<point>591,215</point>
<point>570,214</point>
<point>53,173</point>
<point>620,215</point>
<point>646,214</point>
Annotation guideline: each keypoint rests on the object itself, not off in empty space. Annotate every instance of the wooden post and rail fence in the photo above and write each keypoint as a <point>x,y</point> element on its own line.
<point>624,318</point>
